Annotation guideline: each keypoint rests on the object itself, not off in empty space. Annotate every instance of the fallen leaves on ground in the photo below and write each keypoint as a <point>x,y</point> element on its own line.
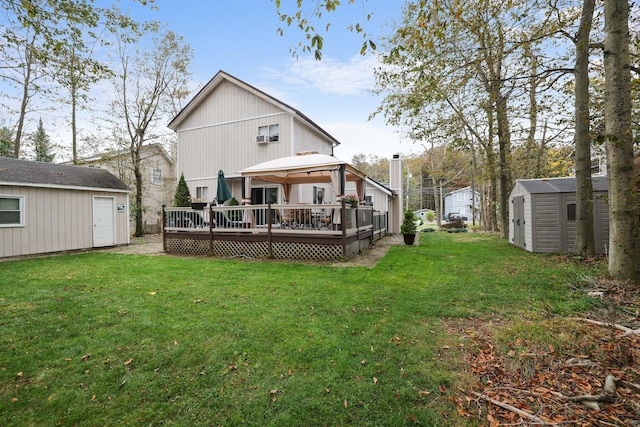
<point>541,381</point>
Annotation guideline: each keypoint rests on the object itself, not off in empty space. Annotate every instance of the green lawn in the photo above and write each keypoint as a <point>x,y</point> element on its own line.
<point>111,339</point>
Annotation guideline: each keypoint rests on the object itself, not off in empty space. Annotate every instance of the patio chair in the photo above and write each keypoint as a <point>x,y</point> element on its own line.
<point>288,219</point>
<point>221,220</point>
<point>188,220</point>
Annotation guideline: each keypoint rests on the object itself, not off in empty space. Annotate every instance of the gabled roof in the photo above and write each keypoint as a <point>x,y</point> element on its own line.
<point>382,187</point>
<point>125,152</point>
<point>222,76</point>
<point>40,174</point>
<point>560,185</point>
<point>465,189</point>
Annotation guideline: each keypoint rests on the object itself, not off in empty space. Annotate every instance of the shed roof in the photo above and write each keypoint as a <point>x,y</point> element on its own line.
<point>560,185</point>
<point>40,174</point>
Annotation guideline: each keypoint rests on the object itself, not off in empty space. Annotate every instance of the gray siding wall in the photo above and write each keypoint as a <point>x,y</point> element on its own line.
<point>57,220</point>
<point>545,223</point>
<point>547,228</point>
<point>601,224</point>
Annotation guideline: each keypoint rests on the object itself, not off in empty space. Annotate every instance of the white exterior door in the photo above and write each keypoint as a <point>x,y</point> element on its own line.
<point>104,221</point>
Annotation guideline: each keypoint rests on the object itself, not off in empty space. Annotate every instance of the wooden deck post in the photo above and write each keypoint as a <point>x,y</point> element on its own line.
<point>164,220</point>
<point>343,220</point>
<point>210,230</point>
<point>269,239</point>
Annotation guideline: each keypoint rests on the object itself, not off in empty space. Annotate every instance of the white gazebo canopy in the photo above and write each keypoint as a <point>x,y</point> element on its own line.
<point>305,168</point>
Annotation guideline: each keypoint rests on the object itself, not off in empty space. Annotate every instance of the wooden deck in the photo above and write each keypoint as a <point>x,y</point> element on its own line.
<point>309,232</point>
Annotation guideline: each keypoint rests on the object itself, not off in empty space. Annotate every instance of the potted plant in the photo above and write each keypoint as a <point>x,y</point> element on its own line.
<point>352,199</point>
<point>197,203</point>
<point>408,228</point>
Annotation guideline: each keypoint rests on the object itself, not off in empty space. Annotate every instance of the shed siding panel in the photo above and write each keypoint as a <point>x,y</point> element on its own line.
<point>56,220</point>
<point>601,224</point>
<point>545,224</point>
<point>568,237</point>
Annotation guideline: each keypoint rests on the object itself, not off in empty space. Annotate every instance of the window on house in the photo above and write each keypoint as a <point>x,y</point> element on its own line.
<point>318,195</point>
<point>270,133</point>
<point>571,212</point>
<point>368,200</point>
<point>460,197</point>
<point>11,211</point>
<point>156,176</point>
<point>202,193</point>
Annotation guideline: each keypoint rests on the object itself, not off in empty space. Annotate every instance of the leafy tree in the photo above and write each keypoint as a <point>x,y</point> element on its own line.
<point>6,142</point>
<point>182,197</point>
<point>42,145</point>
<point>147,85</point>
<point>374,166</point>
<point>304,15</point>
<point>49,40</point>
<point>460,56</point>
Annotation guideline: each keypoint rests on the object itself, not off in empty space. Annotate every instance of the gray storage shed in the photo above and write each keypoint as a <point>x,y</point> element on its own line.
<point>47,207</point>
<point>543,212</point>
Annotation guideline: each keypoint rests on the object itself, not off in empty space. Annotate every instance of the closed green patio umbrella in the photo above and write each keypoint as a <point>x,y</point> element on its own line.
<point>223,189</point>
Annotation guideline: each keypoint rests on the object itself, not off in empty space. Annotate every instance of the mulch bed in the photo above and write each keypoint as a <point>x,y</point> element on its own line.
<point>518,384</point>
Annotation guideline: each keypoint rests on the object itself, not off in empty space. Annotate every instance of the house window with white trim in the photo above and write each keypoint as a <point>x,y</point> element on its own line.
<point>156,176</point>
<point>11,211</point>
<point>202,193</point>
<point>270,133</point>
<point>460,197</point>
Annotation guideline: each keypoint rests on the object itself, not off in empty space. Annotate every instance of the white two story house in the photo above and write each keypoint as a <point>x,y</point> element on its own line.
<point>230,125</point>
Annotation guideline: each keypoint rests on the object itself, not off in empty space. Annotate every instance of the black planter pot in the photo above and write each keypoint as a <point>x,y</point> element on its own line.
<point>409,239</point>
<point>198,205</point>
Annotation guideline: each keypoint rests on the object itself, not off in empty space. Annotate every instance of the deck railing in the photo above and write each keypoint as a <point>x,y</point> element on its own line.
<point>291,231</point>
<point>289,217</point>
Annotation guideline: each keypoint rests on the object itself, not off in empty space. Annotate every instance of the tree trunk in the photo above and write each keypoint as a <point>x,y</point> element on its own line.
<point>436,201</point>
<point>24,102</point>
<point>74,135</point>
<point>504,142</point>
<point>624,240</point>
<point>585,241</point>
<point>137,172</point>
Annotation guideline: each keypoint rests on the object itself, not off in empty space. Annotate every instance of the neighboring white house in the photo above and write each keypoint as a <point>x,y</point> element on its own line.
<point>47,207</point>
<point>461,202</point>
<point>422,213</point>
<point>230,125</point>
<point>158,179</point>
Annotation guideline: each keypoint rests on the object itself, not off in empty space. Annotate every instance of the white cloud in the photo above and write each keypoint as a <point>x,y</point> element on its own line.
<point>328,76</point>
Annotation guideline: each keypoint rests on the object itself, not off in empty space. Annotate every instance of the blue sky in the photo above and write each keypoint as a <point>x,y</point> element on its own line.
<point>240,37</point>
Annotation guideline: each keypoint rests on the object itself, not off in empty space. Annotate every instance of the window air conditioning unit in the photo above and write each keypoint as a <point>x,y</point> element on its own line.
<point>261,139</point>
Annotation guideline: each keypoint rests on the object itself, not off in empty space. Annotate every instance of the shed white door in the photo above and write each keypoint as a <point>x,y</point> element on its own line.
<point>103,221</point>
<point>518,222</point>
